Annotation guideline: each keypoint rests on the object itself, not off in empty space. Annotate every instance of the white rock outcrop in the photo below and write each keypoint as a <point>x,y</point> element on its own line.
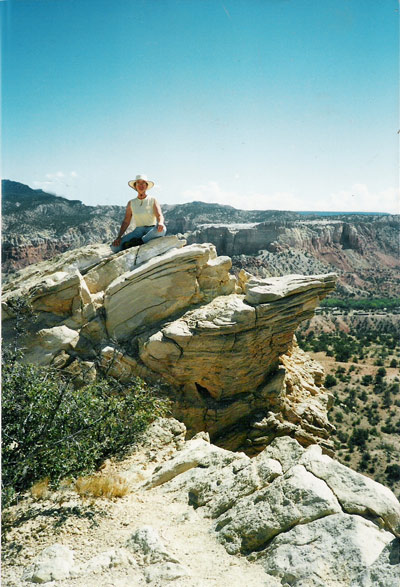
<point>175,314</point>
<point>306,518</point>
<point>55,563</point>
<point>279,515</point>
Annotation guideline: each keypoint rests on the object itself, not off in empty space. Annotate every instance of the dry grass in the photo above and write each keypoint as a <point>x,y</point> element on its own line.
<point>102,486</point>
<point>40,489</point>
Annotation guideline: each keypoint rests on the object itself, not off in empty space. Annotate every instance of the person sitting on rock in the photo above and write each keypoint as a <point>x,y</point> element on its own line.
<point>146,213</point>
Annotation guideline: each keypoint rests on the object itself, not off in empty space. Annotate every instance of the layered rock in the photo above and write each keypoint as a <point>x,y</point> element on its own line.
<point>174,313</point>
<point>320,237</point>
<point>363,250</point>
<point>306,518</point>
<point>51,225</point>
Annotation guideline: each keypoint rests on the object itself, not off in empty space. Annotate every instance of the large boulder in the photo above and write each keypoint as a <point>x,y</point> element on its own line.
<point>160,288</point>
<point>174,313</point>
<point>54,563</point>
<point>306,518</point>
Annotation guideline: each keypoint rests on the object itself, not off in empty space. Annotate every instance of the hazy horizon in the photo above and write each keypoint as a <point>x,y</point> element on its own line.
<point>318,212</point>
<point>261,105</point>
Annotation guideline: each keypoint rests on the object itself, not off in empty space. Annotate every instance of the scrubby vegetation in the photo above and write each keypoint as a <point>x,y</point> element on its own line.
<point>51,429</point>
<point>349,303</point>
<point>361,372</point>
<point>355,346</point>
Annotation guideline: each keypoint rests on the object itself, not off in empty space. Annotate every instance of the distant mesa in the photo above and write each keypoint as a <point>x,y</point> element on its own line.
<point>362,248</point>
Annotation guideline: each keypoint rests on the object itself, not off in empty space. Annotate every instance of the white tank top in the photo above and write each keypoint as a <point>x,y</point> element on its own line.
<point>143,211</point>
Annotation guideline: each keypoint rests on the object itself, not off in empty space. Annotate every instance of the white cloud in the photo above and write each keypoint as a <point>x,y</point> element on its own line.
<point>360,199</point>
<point>57,175</point>
<point>213,193</point>
<point>356,199</point>
<point>42,184</point>
<point>59,183</point>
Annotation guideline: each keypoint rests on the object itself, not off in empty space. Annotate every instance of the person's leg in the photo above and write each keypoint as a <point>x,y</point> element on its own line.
<point>153,233</point>
<point>138,232</point>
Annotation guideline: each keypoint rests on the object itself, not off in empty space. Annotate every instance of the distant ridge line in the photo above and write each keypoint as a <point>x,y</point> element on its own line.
<point>25,190</point>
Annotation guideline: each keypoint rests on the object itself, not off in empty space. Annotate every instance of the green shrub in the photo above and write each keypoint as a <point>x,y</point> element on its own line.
<point>394,388</point>
<point>380,374</point>
<point>393,472</point>
<point>366,380</point>
<point>342,436</point>
<point>330,381</point>
<point>359,438</point>
<point>52,430</point>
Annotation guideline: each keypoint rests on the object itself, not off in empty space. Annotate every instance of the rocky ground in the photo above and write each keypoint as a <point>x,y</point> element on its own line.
<point>197,515</point>
<point>191,556</point>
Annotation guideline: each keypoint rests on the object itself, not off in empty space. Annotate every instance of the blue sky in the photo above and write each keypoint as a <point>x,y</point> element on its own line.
<point>263,104</point>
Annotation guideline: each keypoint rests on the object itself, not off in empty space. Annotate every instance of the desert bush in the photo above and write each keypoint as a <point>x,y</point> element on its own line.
<point>330,381</point>
<point>52,430</point>
<point>364,462</point>
<point>40,489</point>
<point>350,400</point>
<point>359,438</point>
<point>380,374</point>
<point>342,436</point>
<point>395,388</point>
<point>366,380</point>
<point>379,387</point>
<point>393,472</point>
<point>343,353</point>
<point>389,428</point>
<point>373,418</point>
<point>387,399</point>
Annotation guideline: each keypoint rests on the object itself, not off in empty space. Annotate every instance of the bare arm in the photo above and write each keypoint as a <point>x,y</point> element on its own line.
<point>159,216</point>
<point>125,223</point>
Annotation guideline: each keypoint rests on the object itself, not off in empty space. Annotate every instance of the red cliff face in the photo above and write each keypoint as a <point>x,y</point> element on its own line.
<point>364,253</point>
<point>18,255</point>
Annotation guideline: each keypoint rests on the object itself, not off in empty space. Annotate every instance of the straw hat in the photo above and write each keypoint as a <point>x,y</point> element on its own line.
<point>132,183</point>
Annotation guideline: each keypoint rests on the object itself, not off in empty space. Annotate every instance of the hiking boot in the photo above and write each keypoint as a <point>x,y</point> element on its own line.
<point>133,242</point>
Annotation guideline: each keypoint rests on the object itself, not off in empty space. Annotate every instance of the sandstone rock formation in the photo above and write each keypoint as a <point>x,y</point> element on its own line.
<point>37,225</point>
<point>306,518</point>
<point>174,314</point>
<point>361,250</point>
<point>293,515</point>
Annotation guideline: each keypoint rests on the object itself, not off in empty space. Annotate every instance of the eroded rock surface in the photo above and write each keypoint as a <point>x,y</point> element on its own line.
<point>198,514</point>
<point>175,314</point>
<point>292,510</point>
